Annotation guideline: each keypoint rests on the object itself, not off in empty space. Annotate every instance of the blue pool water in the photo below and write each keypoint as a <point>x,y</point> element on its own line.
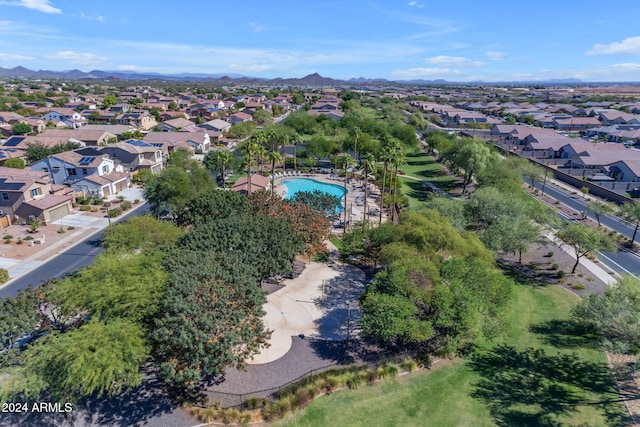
<point>304,184</point>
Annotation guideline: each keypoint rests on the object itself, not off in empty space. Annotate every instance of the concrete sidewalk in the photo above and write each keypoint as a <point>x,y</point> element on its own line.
<point>321,303</point>
<point>598,271</point>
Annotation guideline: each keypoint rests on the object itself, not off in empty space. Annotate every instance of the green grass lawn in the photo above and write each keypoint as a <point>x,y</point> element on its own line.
<point>422,166</point>
<point>540,372</point>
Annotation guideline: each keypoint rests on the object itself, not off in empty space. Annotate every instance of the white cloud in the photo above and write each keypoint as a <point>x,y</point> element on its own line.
<point>418,73</point>
<point>496,56</point>
<point>453,61</point>
<point>257,28</point>
<point>14,57</point>
<point>98,18</point>
<point>40,5</point>
<point>78,58</point>
<point>415,4</point>
<point>630,45</point>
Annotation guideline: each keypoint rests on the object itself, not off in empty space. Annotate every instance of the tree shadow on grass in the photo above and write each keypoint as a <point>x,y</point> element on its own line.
<point>524,275</point>
<point>418,190</point>
<point>565,334</point>
<point>531,387</point>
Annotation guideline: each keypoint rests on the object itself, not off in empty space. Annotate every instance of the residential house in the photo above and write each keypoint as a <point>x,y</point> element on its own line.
<point>575,124</point>
<point>26,195</point>
<point>134,155</point>
<point>625,170</point>
<point>216,125</point>
<point>258,182</point>
<point>614,117</point>
<point>69,117</point>
<point>116,130</point>
<point>143,121</point>
<point>173,125</point>
<point>239,117</point>
<point>90,137</point>
<point>191,138</point>
<point>74,168</point>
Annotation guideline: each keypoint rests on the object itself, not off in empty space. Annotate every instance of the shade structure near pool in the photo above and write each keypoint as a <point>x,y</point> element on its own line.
<point>297,185</point>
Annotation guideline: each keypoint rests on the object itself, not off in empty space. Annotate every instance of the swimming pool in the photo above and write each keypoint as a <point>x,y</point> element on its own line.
<point>304,184</point>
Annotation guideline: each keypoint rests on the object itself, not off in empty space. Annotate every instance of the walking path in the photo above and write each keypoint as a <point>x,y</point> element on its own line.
<point>319,303</point>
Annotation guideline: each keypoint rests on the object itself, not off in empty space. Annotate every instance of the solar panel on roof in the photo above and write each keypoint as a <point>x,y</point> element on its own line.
<point>157,144</point>
<point>13,142</point>
<point>2,155</point>
<point>86,161</point>
<point>138,143</point>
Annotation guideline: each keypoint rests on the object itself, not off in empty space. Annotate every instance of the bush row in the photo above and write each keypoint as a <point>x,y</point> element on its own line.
<point>299,395</point>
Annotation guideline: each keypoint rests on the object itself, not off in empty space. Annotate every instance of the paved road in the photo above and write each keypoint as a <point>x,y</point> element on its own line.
<point>72,259</point>
<point>623,261</point>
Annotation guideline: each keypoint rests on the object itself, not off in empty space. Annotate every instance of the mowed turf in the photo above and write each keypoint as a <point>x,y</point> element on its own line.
<point>423,167</point>
<point>540,372</point>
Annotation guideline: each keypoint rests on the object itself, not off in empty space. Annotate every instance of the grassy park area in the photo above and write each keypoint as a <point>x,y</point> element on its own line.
<point>540,372</point>
<point>420,166</point>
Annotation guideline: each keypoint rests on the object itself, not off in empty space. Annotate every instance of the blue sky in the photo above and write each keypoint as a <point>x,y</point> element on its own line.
<point>463,40</point>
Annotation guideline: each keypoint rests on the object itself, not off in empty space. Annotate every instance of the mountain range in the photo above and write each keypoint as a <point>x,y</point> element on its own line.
<point>314,79</point>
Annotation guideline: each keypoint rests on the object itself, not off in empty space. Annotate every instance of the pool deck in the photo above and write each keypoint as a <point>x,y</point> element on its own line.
<point>355,195</point>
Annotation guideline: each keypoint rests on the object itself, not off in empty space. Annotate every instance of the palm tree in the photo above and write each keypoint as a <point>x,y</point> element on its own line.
<point>388,155</point>
<point>345,161</point>
<point>385,155</point>
<point>396,160</point>
<point>368,163</point>
<point>356,135</point>
<point>274,157</point>
<point>249,151</point>
<point>223,158</point>
<point>295,138</point>
<point>261,153</point>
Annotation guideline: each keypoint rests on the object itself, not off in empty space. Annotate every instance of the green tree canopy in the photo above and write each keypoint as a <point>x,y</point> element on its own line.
<point>21,128</point>
<point>140,233</point>
<point>100,358</point>
<point>211,317</point>
<point>584,239</point>
<point>614,315</point>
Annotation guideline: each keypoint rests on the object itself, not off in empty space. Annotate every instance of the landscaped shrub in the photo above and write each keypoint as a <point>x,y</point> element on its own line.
<point>19,241</point>
<point>409,365</point>
<point>230,416</point>
<point>549,254</point>
<point>555,267</point>
<point>4,275</point>
<point>561,274</point>
<point>578,286</point>
<point>253,403</point>
<point>96,202</point>
<point>71,227</point>
<point>136,201</point>
<point>114,212</point>
<point>391,370</point>
<point>85,208</point>
<point>303,397</point>
<point>28,238</point>
<point>126,205</point>
<point>7,238</point>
